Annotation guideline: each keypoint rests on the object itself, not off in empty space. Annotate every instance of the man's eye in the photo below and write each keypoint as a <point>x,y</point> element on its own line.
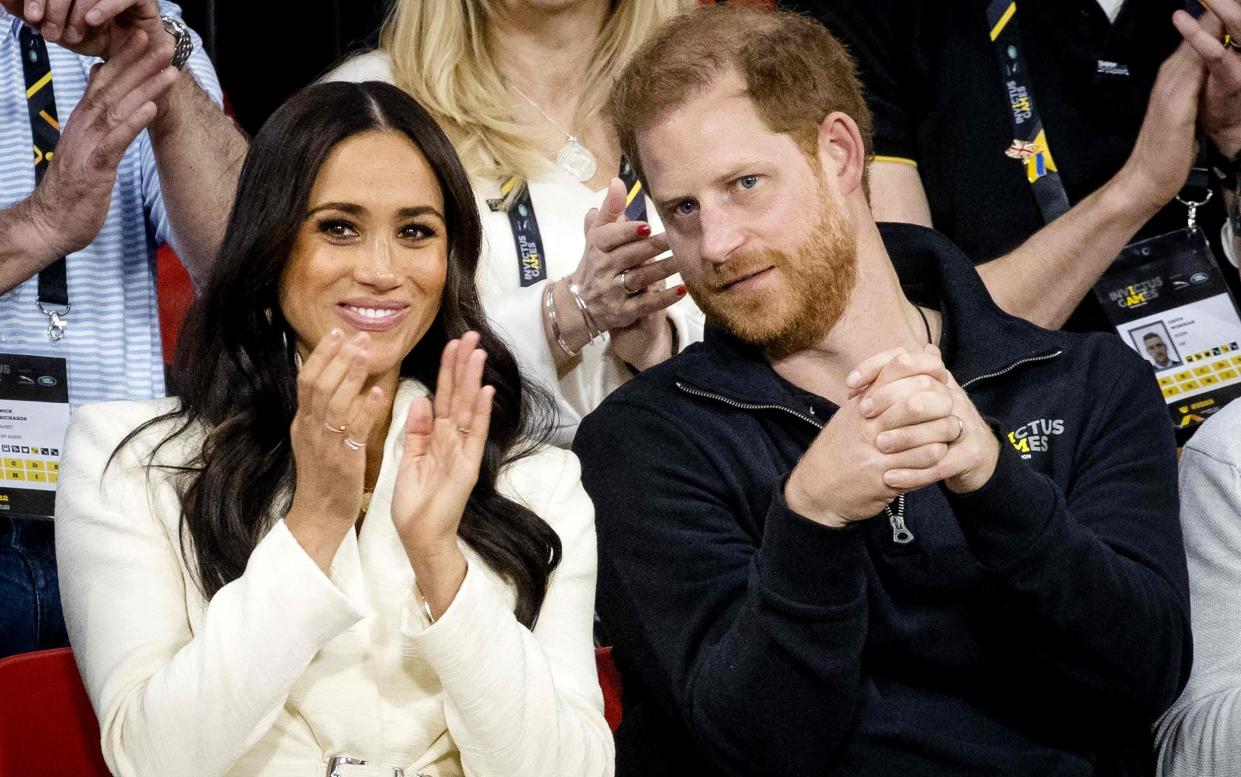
<point>748,181</point>
<point>685,208</point>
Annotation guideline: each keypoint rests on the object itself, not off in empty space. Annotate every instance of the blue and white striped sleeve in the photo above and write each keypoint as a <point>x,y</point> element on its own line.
<point>204,73</point>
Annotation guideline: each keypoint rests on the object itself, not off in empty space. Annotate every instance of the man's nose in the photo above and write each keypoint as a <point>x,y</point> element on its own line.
<point>721,234</point>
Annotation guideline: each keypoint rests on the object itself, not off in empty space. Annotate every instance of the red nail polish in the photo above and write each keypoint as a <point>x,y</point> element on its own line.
<point>680,291</point>
<point>644,230</point>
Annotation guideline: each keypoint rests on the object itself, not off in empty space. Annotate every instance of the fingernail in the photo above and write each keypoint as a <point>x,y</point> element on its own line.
<point>854,378</point>
<point>867,404</point>
<point>335,334</point>
<point>51,31</point>
<point>680,291</point>
<point>33,9</point>
<point>94,16</point>
<point>644,230</point>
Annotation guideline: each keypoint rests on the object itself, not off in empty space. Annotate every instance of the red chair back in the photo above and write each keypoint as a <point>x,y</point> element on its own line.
<point>610,682</point>
<point>47,726</point>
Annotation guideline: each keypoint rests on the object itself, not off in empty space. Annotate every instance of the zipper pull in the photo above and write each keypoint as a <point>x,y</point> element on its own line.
<point>901,534</point>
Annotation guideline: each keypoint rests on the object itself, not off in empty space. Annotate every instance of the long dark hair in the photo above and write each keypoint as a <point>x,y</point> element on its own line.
<point>235,371</point>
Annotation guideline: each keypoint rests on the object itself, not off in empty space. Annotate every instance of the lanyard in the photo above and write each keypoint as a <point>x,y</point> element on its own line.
<point>1030,144</point>
<point>45,132</point>
<point>1029,138</point>
<point>531,267</point>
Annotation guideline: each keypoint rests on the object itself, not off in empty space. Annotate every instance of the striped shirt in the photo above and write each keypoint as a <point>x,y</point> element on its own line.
<point>112,341</point>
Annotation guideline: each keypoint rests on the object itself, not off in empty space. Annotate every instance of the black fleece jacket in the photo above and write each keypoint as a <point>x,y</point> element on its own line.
<point>1035,627</point>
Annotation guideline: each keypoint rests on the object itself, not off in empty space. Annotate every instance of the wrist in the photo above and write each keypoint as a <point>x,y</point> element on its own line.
<point>438,576</point>
<point>573,327</point>
<point>799,501</point>
<point>1131,198</point>
<point>37,230</point>
<point>975,478</point>
<point>320,539</point>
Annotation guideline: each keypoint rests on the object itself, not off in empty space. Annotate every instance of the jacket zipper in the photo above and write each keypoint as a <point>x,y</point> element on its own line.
<point>901,535</point>
<point>1011,367</point>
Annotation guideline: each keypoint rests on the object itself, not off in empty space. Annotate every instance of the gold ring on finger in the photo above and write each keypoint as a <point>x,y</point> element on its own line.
<point>621,281</point>
<point>353,444</point>
<point>463,430</point>
<point>335,429</point>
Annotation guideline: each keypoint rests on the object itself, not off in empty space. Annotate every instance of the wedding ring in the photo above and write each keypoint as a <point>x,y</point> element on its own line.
<point>464,431</point>
<point>960,427</point>
<point>1231,42</point>
<point>335,429</point>
<point>620,281</point>
<point>353,444</point>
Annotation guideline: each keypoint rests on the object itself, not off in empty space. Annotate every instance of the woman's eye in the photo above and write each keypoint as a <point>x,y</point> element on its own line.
<point>417,232</point>
<point>336,228</point>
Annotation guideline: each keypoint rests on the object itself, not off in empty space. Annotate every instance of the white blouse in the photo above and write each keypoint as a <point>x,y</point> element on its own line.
<point>286,666</point>
<point>560,203</point>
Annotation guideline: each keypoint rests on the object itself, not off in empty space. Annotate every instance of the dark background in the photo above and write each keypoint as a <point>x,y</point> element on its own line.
<point>264,50</point>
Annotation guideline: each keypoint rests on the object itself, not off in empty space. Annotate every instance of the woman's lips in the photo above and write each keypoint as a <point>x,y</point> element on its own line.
<point>371,317</point>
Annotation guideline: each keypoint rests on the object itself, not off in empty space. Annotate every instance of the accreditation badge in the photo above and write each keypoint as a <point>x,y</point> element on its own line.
<point>1170,304</point>
<point>34,416</point>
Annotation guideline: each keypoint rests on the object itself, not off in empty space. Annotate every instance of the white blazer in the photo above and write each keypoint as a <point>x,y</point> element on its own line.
<point>286,666</point>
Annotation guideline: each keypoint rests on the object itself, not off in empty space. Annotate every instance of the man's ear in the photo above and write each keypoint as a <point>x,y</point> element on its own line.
<point>842,152</point>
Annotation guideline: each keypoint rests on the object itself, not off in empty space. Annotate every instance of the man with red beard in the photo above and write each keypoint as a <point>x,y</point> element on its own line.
<point>822,552</point>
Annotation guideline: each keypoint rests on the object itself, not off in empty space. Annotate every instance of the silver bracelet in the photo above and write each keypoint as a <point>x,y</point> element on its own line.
<point>591,330</point>
<point>549,308</point>
<point>426,608</point>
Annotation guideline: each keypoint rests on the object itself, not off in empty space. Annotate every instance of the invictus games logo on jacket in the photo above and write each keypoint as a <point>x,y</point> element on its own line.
<point>1035,437</point>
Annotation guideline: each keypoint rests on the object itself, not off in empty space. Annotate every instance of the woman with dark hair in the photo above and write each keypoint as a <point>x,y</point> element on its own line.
<point>341,550</point>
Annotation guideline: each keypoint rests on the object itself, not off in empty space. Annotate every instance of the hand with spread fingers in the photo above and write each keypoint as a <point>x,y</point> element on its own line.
<point>905,395</point>
<point>1221,97</point>
<point>329,435</point>
<point>69,206</point>
<point>94,28</point>
<point>444,444</point>
<point>617,283</point>
<point>898,418</point>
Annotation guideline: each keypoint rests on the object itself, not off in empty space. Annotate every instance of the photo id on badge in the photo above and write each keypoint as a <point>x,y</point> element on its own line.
<point>34,415</point>
<point>1170,304</point>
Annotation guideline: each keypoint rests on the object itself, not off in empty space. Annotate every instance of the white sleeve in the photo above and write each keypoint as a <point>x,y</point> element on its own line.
<point>172,699</point>
<point>1201,733</point>
<point>522,703</point>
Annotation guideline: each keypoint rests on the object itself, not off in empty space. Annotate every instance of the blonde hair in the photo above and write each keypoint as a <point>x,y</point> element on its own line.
<point>440,57</point>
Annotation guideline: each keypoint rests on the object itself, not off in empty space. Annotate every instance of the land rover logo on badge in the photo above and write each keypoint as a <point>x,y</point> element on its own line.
<point>1199,277</point>
<point>47,380</point>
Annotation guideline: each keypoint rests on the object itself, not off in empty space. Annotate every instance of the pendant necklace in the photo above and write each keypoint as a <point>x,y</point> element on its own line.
<point>574,158</point>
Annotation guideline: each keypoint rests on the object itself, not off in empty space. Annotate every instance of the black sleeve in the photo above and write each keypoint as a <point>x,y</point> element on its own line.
<point>879,35</point>
<point>743,638</point>
<point>1095,577</point>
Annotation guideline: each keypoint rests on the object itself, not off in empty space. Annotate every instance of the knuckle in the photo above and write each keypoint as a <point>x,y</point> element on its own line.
<point>917,404</point>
